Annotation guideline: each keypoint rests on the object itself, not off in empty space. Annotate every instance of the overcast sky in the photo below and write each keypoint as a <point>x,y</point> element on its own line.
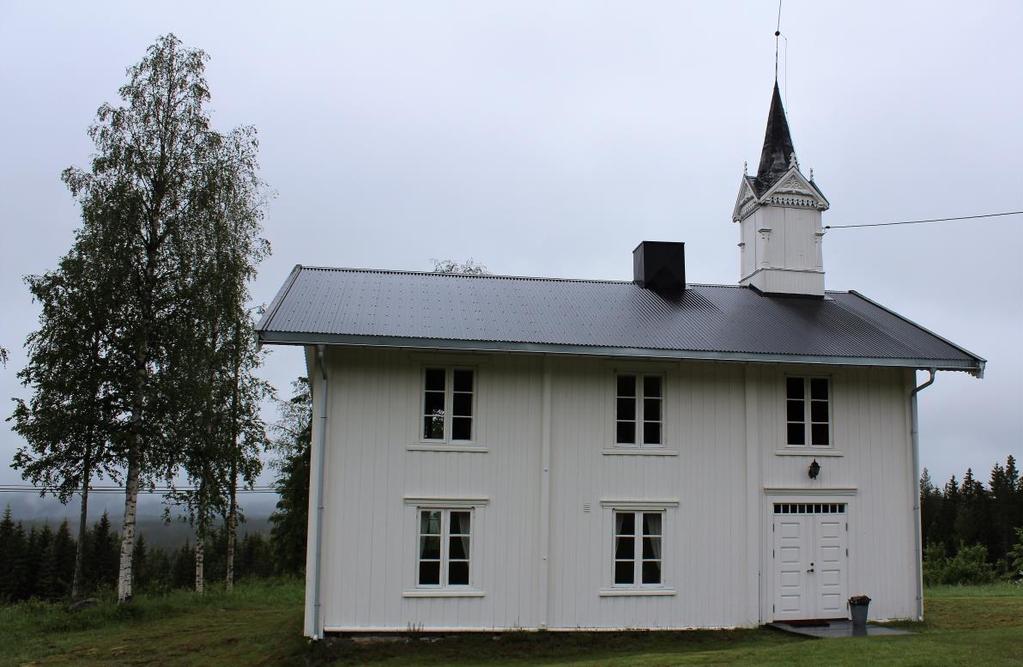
<point>548,138</point>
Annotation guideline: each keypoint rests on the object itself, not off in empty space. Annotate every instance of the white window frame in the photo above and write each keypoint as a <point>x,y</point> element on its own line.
<point>638,508</point>
<point>640,412</point>
<point>637,560</point>
<point>449,392</point>
<point>445,536</point>
<point>807,412</point>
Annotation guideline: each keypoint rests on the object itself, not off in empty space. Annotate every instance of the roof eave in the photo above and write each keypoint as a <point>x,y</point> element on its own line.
<point>979,362</point>
<point>279,298</point>
<point>300,338</point>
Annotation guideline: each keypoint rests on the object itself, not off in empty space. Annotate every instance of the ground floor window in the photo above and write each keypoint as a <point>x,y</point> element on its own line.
<point>444,547</point>
<point>637,548</point>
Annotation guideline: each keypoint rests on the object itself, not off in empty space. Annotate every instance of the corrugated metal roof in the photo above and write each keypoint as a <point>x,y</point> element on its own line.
<point>431,310</point>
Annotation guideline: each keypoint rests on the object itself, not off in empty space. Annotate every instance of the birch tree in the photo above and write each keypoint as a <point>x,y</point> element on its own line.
<point>67,423</point>
<point>247,431</point>
<point>222,433</point>
<point>236,250</point>
<point>149,201</point>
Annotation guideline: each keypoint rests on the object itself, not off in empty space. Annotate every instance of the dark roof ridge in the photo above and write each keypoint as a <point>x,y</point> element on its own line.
<point>408,272</point>
<point>502,276</point>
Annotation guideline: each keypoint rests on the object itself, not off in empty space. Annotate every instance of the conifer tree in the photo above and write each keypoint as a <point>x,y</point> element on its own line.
<point>8,552</point>
<point>292,437</point>
<point>17,568</point>
<point>46,584</point>
<point>61,563</point>
<point>183,567</point>
<point>141,564</point>
<point>1014,482</point>
<point>102,559</point>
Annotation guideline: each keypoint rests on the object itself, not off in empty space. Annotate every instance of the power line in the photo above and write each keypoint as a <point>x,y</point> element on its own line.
<point>928,220</point>
<point>28,488</point>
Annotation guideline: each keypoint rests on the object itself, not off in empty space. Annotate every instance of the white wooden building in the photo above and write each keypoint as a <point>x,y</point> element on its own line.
<point>496,453</point>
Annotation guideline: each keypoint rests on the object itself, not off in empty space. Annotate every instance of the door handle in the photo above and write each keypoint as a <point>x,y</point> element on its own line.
<point>811,568</point>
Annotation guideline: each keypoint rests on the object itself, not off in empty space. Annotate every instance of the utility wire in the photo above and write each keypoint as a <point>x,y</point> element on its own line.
<point>28,488</point>
<point>928,220</point>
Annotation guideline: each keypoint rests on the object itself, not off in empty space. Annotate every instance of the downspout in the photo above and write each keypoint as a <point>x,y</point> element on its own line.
<point>914,432</point>
<point>317,463</point>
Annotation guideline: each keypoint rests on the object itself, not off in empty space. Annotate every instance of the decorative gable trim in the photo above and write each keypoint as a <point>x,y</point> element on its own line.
<point>794,190</point>
<point>746,202</point>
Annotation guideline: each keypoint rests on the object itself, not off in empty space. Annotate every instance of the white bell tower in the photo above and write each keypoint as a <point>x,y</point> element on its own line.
<point>779,215</point>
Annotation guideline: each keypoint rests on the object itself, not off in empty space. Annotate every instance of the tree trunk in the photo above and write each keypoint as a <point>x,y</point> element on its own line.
<point>76,581</point>
<point>232,520</point>
<point>200,560</point>
<point>232,508</point>
<point>131,494</point>
<point>125,574</point>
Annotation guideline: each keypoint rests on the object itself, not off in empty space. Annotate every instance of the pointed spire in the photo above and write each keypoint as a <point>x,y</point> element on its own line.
<point>778,153</point>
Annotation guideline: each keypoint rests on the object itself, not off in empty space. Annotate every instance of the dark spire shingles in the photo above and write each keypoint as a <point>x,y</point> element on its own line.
<point>778,148</point>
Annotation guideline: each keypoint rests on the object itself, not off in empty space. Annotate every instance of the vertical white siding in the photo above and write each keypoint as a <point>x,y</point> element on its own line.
<point>369,536</point>
<point>871,431</point>
<point>726,422</point>
<point>701,561</point>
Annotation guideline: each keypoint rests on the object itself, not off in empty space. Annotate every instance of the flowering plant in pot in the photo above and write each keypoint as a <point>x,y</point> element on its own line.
<point>858,607</point>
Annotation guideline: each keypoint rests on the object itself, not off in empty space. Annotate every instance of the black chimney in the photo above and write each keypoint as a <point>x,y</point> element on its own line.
<point>660,266</point>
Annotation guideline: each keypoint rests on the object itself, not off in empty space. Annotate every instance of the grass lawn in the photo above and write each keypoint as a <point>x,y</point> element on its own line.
<point>260,624</point>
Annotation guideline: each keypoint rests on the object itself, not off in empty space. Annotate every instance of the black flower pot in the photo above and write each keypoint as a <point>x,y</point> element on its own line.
<point>858,608</point>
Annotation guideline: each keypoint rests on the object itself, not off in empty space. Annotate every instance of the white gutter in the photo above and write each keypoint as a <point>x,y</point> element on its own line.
<point>914,432</point>
<point>316,458</point>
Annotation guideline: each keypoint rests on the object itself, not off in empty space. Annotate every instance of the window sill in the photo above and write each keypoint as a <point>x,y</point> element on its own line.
<point>639,451</point>
<point>441,593</point>
<point>635,592</point>
<point>443,447</point>
<point>803,450</point>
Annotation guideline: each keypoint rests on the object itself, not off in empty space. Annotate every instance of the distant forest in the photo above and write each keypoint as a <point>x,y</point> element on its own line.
<point>39,561</point>
<point>973,533</point>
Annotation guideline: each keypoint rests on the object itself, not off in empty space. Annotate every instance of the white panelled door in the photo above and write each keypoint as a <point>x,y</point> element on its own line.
<point>810,557</point>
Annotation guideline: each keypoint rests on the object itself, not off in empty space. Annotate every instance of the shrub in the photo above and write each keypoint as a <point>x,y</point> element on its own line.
<point>1016,556</point>
<point>968,566</point>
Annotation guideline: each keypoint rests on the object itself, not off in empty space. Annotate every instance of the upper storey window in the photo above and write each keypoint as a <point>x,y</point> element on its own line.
<point>448,404</point>
<point>639,416</point>
<point>808,411</point>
